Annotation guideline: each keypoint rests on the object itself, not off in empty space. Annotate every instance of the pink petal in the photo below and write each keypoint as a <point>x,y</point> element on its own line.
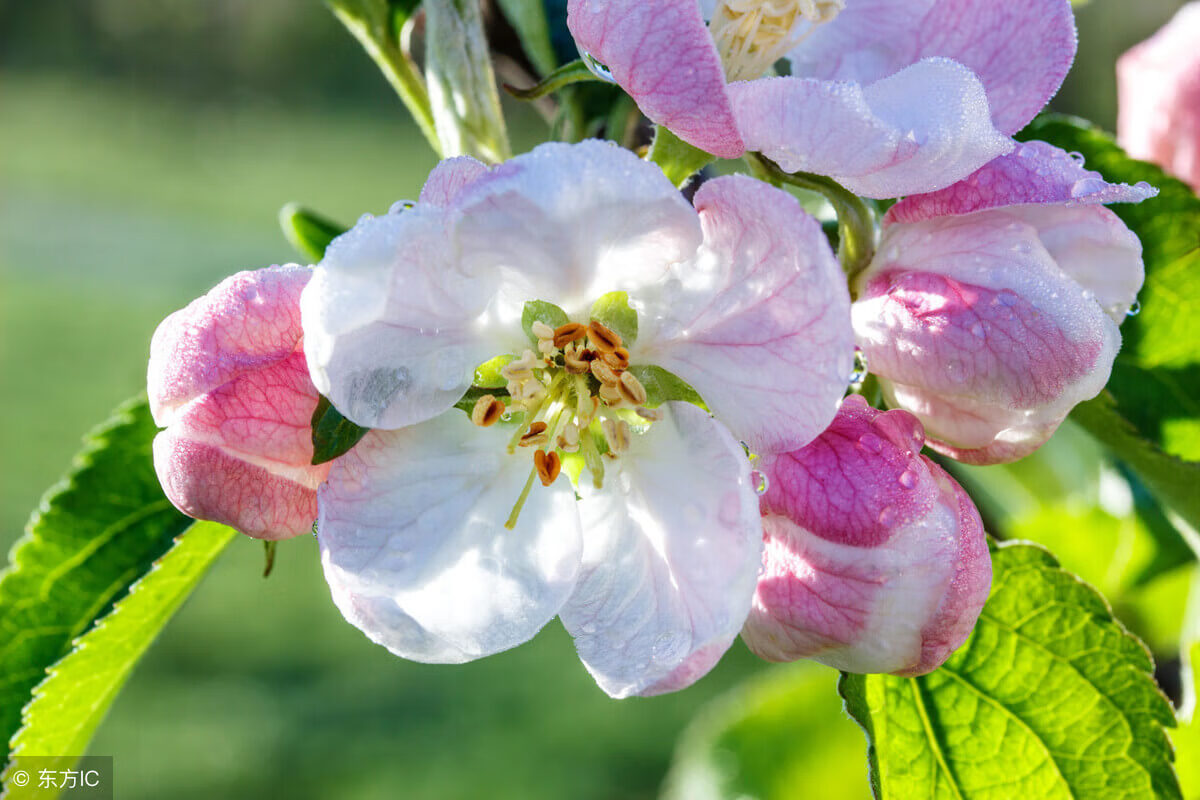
<point>1158,94</point>
<point>1021,50</point>
<point>660,52</point>
<point>1035,172</point>
<point>874,560</point>
<point>246,322</point>
<point>759,323</point>
<point>971,324</point>
<point>918,130</point>
<point>449,178</point>
<point>227,377</point>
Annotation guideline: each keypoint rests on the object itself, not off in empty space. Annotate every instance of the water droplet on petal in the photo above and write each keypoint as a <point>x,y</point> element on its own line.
<point>601,71</point>
<point>1077,158</point>
<point>365,218</point>
<point>760,481</point>
<point>870,442</point>
<point>887,516</point>
<point>978,331</point>
<point>908,479</point>
<point>401,206</point>
<point>1134,309</point>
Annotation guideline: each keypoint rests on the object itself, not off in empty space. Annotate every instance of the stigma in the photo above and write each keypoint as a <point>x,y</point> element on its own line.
<point>751,35</point>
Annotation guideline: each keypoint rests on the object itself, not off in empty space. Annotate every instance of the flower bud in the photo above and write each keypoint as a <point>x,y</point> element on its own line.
<point>229,382</point>
<point>1158,97</point>
<point>992,307</point>
<point>874,559</point>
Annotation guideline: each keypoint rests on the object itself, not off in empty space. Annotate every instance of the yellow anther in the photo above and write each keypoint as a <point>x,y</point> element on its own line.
<point>487,411</point>
<point>548,466</point>
<point>577,359</point>
<point>751,35</point>
<point>631,389</point>
<point>604,373</point>
<point>611,395</point>
<point>535,435</point>
<point>618,359</point>
<point>568,440</point>
<point>565,334</point>
<point>602,337</point>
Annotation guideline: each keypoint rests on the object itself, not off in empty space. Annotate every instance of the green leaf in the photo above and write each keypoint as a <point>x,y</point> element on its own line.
<point>1050,697</point>
<point>307,231</point>
<point>91,538</point>
<point>528,19</point>
<point>487,374</point>
<point>541,311</point>
<point>613,311</point>
<point>1150,414</point>
<point>678,160</point>
<point>332,434</point>
<point>663,386</point>
<point>1186,738</point>
<point>781,730</point>
<point>69,705</point>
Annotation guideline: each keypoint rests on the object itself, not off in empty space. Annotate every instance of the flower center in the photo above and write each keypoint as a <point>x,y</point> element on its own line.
<point>577,398</point>
<point>751,35</point>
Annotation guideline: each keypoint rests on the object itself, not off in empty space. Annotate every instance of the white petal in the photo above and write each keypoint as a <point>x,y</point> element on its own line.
<point>567,223</point>
<point>391,326</point>
<point>760,323</point>
<point>672,550</point>
<point>415,550</point>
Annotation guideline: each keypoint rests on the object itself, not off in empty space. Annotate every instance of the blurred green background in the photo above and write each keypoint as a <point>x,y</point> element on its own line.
<point>145,148</point>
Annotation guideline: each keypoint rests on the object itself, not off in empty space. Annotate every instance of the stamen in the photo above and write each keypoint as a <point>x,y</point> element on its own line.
<point>487,411</point>
<point>604,373</point>
<point>568,440</point>
<point>576,359</point>
<point>535,435</point>
<point>565,334</point>
<point>650,414</point>
<point>548,466</point>
<point>602,337</point>
<point>631,389</point>
<point>611,395</point>
<point>617,434</point>
<point>618,359</point>
<point>751,35</point>
<point>541,330</point>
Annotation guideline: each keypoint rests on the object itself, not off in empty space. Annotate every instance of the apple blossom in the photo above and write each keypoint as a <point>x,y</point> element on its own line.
<point>447,536</point>
<point>1158,97</point>
<point>992,307</point>
<point>228,381</point>
<point>875,560</point>
<point>887,97</point>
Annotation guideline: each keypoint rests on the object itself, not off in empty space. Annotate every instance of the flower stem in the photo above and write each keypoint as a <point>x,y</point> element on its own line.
<point>856,226</point>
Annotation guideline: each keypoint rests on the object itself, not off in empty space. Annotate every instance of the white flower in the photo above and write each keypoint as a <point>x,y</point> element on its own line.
<point>447,536</point>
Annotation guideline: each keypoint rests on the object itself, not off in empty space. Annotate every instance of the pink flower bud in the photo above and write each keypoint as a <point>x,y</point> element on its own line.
<point>992,307</point>
<point>1158,93</point>
<point>228,381</point>
<point>875,560</point>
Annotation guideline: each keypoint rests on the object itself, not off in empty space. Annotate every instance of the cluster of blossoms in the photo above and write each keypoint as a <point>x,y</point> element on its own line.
<point>589,397</point>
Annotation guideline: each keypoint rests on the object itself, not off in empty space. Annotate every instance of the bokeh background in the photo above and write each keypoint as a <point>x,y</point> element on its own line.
<point>145,149</point>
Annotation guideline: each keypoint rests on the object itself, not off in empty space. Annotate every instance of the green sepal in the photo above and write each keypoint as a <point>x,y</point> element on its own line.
<point>614,312</point>
<point>663,386</point>
<point>332,434</point>
<point>678,160</point>
<point>574,72</point>
<point>307,231</point>
<point>487,374</point>
<point>541,311</point>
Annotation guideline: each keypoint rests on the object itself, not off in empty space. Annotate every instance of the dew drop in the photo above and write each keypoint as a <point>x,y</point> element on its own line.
<point>870,442</point>
<point>908,479</point>
<point>761,482</point>
<point>1077,158</point>
<point>1134,309</point>
<point>401,206</point>
<point>365,218</point>
<point>887,516</point>
<point>859,373</point>
<point>978,331</point>
<point>601,71</point>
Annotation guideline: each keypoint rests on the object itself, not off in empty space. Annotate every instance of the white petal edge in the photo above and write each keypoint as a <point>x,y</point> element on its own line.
<point>414,547</point>
<point>672,550</point>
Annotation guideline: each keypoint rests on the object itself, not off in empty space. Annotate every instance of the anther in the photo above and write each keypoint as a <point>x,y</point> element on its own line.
<point>541,330</point>
<point>650,414</point>
<point>535,435</point>
<point>548,466</point>
<point>568,440</point>
<point>618,359</point>
<point>565,334</point>
<point>487,411</point>
<point>604,373</point>
<point>546,347</point>
<point>602,337</point>
<point>576,359</point>
<point>631,389</point>
<point>611,395</point>
<point>617,434</point>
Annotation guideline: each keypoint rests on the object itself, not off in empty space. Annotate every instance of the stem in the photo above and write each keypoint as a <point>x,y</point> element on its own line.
<point>381,45</point>
<point>856,226</point>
